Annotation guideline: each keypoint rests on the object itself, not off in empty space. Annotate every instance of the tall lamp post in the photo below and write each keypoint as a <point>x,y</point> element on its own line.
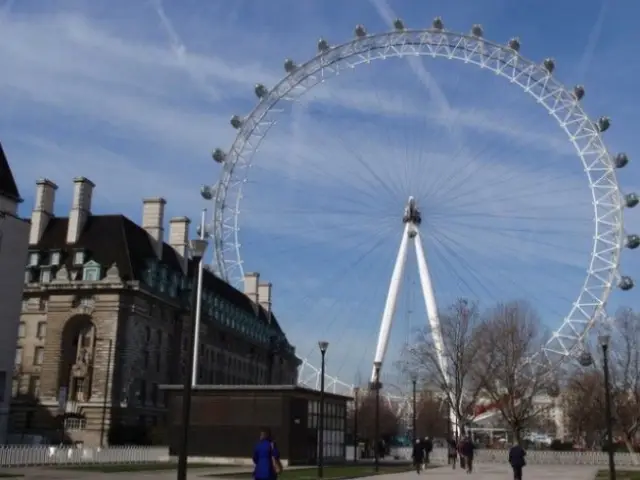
<point>356,391</point>
<point>376,386</point>
<point>414,414</point>
<point>197,249</point>
<point>604,343</point>
<point>323,352</point>
<point>202,232</point>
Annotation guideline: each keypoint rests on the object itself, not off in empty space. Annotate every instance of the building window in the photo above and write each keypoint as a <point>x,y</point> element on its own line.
<point>78,389</point>
<point>3,382</point>
<point>55,259</point>
<point>22,329</point>
<point>34,259</point>
<point>28,276</point>
<point>91,272</point>
<point>158,362</point>
<point>78,258</point>
<point>15,386</point>
<point>18,357</point>
<point>34,386</point>
<point>42,330</point>
<point>45,275</point>
<point>38,356</point>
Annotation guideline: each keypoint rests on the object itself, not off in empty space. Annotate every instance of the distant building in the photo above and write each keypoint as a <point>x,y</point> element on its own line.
<point>103,324</point>
<point>14,234</point>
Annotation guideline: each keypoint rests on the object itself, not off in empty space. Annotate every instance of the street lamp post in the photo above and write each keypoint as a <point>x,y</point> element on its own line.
<point>356,391</point>
<point>198,310</point>
<point>604,343</point>
<point>414,415</point>
<point>376,385</point>
<point>323,351</point>
<point>197,248</point>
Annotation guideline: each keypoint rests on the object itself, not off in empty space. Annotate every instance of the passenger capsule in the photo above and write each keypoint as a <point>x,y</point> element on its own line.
<point>603,124</point>
<point>289,65</point>
<point>199,232</point>
<point>631,200</point>
<point>621,160</point>
<point>549,65</point>
<point>360,31</point>
<point>625,284</point>
<point>206,192</point>
<point>260,91</point>
<point>323,45</point>
<point>236,122</point>
<point>633,241</point>
<point>219,155</point>
<point>578,92</point>
<point>514,44</point>
<point>398,25</point>
<point>477,31</point>
<point>585,359</point>
<point>438,24</point>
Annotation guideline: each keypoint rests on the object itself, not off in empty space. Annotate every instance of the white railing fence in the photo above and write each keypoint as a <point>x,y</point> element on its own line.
<point>534,457</point>
<point>43,455</point>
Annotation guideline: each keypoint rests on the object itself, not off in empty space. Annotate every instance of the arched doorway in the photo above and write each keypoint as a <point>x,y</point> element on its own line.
<point>77,354</point>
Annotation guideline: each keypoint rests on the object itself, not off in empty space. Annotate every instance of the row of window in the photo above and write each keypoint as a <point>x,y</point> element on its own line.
<point>159,277</point>
<point>54,259</point>
<point>91,272</point>
<point>26,384</point>
<point>38,356</point>
<point>330,409</point>
<point>41,330</point>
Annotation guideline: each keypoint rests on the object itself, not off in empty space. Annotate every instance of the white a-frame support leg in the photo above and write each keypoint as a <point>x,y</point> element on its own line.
<point>412,220</point>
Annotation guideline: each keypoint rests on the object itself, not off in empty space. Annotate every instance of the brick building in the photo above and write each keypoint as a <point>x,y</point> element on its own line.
<point>14,232</point>
<point>102,324</point>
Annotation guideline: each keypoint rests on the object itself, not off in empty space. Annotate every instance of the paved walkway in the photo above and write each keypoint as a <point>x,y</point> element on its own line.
<point>499,472</point>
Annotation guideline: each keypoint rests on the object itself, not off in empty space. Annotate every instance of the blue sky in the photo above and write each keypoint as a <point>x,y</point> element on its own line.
<point>134,95</point>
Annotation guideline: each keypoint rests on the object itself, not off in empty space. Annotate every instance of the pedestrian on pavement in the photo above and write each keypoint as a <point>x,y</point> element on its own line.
<point>417,455</point>
<point>452,452</point>
<point>266,457</point>
<point>466,451</point>
<point>517,460</point>
<point>428,448</point>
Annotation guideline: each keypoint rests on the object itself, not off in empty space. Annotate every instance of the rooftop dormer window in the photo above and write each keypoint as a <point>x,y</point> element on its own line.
<point>34,259</point>
<point>78,258</point>
<point>91,272</point>
<point>55,259</point>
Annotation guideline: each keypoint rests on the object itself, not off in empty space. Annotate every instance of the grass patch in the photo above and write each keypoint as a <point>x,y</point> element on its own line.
<point>140,467</point>
<point>620,475</point>
<point>330,472</point>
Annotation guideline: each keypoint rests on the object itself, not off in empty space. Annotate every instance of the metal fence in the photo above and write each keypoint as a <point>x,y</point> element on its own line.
<point>43,455</point>
<point>534,457</point>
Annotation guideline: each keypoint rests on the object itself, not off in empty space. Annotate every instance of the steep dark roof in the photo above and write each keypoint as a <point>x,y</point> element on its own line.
<point>8,187</point>
<point>109,239</point>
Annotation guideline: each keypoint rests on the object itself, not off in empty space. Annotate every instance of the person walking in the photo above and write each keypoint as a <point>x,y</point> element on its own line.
<point>266,458</point>
<point>417,455</point>
<point>517,460</point>
<point>428,448</point>
<point>452,452</point>
<point>467,450</point>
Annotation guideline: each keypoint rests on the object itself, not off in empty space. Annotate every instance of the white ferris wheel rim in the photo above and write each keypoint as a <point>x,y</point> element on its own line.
<point>533,78</point>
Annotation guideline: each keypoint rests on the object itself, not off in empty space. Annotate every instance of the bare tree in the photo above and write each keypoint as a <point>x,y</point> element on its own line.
<point>431,416</point>
<point>461,349</point>
<point>583,406</point>
<point>625,378</point>
<point>389,420</point>
<point>584,398</point>
<point>512,372</point>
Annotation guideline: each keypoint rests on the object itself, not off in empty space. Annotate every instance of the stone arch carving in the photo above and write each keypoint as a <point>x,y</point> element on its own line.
<point>77,352</point>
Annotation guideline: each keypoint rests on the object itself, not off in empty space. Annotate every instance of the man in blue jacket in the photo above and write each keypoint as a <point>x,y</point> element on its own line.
<point>517,460</point>
<point>266,457</point>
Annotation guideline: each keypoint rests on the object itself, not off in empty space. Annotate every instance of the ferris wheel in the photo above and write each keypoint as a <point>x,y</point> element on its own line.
<point>606,202</point>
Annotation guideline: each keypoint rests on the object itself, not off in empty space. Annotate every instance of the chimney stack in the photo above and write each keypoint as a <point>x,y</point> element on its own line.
<point>42,210</point>
<point>251,282</point>
<point>264,297</point>
<point>179,238</point>
<point>153,221</point>
<point>80,208</point>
